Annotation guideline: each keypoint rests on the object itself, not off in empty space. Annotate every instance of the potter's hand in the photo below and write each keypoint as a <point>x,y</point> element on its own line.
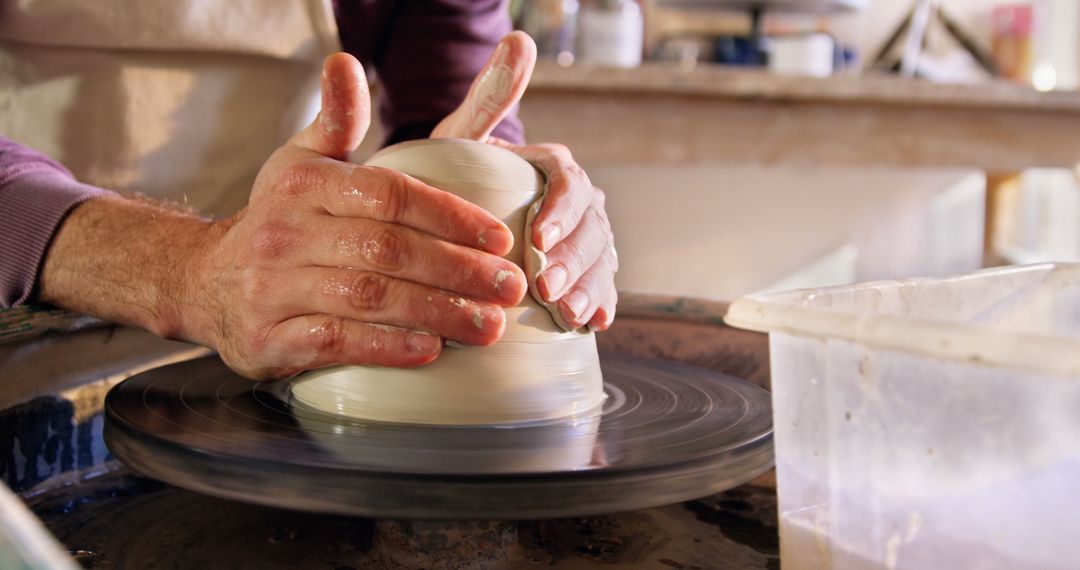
<point>572,227</point>
<point>328,253</point>
<point>330,263</point>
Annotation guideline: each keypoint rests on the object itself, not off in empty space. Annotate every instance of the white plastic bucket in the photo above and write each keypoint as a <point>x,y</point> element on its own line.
<point>927,423</point>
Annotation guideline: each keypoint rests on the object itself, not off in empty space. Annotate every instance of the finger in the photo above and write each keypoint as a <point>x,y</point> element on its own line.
<point>317,341</point>
<point>494,92</point>
<point>579,305</point>
<point>404,253</point>
<point>345,115</point>
<point>398,198</point>
<point>605,313</point>
<point>572,257</point>
<point>354,191</point>
<point>569,193</point>
<point>375,298</point>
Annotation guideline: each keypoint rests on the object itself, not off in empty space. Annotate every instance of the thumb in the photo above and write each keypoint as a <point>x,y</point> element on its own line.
<point>346,110</point>
<point>494,92</point>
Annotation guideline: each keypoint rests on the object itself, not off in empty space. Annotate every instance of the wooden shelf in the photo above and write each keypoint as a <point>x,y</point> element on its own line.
<point>733,83</point>
<point>663,114</point>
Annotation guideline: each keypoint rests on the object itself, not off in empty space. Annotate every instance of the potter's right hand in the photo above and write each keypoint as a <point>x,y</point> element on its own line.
<point>337,263</point>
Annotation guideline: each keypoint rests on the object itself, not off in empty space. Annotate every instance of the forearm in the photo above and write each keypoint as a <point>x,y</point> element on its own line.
<point>128,261</point>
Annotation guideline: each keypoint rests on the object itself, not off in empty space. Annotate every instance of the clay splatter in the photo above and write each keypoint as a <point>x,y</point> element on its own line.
<point>501,276</point>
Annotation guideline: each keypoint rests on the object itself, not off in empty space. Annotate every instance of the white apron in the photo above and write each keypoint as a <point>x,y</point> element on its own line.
<point>175,99</point>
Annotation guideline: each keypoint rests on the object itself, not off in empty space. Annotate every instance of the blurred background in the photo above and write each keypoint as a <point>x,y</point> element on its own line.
<point>750,145</point>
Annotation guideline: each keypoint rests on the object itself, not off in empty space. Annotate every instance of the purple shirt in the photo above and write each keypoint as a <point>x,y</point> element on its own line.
<point>426,54</point>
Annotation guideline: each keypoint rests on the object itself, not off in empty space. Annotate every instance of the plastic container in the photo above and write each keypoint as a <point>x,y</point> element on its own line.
<point>806,54</point>
<point>24,542</point>
<point>612,33</point>
<point>927,423</point>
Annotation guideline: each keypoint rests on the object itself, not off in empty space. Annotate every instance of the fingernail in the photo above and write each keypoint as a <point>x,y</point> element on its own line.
<point>554,280</point>
<point>577,302</point>
<point>423,343</point>
<point>497,239</point>
<point>549,234</point>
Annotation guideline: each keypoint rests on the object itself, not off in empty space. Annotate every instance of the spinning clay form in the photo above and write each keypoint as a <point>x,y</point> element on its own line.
<point>536,371</point>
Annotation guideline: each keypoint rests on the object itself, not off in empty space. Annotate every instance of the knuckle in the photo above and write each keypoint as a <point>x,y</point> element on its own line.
<point>368,291</point>
<point>273,240</point>
<point>393,196</point>
<point>329,337</point>
<point>572,212</point>
<point>566,163</point>
<point>597,217</point>
<point>575,169</point>
<point>385,249</point>
<point>558,184</point>
<point>303,176</point>
<point>254,285</point>
<point>577,256</point>
<point>557,150</point>
<point>600,224</point>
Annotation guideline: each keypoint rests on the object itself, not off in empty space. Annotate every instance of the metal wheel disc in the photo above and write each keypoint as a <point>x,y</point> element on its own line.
<point>668,432</point>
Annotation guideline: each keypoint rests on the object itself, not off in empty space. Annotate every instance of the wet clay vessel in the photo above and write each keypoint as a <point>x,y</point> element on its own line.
<point>537,371</point>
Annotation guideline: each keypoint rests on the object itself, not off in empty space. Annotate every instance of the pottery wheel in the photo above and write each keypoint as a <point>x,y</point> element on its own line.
<point>668,432</point>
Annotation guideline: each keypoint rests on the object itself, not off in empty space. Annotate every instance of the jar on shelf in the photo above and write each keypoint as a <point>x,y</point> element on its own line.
<point>611,32</point>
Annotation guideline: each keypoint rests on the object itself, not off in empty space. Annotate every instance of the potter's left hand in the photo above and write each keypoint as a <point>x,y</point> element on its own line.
<point>572,227</point>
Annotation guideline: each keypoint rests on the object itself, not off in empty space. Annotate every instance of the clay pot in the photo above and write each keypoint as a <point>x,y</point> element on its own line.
<point>537,371</point>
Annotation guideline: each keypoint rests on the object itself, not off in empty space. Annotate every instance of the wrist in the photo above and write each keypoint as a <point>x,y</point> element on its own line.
<point>129,261</point>
<point>188,310</point>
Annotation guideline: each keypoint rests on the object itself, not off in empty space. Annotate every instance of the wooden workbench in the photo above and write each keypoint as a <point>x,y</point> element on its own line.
<point>659,114</point>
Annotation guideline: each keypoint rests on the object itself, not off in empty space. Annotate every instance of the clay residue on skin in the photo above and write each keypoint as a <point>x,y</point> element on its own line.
<point>477,319</point>
<point>477,316</point>
<point>501,276</point>
<point>493,89</point>
<point>384,328</point>
<point>308,357</point>
<point>491,92</point>
<point>329,125</point>
<point>914,524</point>
<point>892,551</point>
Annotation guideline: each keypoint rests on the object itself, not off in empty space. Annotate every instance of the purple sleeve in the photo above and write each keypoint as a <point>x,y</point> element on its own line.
<point>36,193</point>
<point>426,53</point>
